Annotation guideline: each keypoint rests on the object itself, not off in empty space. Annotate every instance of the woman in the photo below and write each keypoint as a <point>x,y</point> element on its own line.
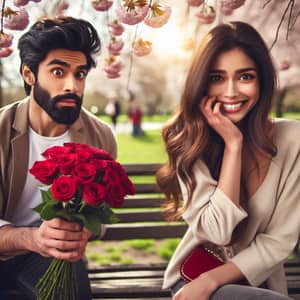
<point>236,170</point>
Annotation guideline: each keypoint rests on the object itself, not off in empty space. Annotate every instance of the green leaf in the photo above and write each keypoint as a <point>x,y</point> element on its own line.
<point>50,210</point>
<point>39,207</point>
<point>46,195</point>
<point>92,223</point>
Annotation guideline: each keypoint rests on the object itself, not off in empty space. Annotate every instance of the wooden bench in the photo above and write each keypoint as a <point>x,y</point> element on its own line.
<point>141,218</point>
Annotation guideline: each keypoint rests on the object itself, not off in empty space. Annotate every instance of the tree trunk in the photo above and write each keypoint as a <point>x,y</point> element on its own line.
<point>279,102</point>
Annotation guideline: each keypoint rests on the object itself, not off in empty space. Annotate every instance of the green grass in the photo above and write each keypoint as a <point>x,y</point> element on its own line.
<point>140,244</point>
<point>146,118</point>
<point>167,249</point>
<point>145,149</point>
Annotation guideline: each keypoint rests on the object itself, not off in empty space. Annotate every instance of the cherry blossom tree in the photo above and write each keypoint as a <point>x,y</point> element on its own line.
<point>122,23</point>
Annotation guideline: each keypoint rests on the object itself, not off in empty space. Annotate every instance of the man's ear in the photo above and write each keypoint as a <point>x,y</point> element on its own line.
<point>28,76</point>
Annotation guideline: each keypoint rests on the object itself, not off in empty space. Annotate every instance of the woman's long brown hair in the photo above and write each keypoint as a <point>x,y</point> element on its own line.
<point>188,137</point>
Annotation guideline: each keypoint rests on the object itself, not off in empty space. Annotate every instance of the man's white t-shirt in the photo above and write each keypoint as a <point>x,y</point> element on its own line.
<point>31,195</point>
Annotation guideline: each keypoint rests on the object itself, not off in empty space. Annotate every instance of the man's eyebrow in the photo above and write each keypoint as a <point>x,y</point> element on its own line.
<point>65,64</point>
<point>58,62</point>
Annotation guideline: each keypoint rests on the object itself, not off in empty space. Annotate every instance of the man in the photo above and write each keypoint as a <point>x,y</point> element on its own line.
<point>56,56</point>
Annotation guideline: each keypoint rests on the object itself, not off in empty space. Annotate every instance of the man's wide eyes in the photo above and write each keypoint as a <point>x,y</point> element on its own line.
<point>57,72</point>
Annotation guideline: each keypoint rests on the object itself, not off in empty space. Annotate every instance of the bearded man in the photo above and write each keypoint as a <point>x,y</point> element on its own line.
<point>56,56</point>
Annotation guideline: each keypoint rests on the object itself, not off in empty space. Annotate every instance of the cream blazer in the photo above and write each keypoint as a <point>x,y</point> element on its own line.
<point>274,216</point>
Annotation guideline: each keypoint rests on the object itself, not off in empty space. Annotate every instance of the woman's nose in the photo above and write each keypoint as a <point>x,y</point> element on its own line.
<point>231,89</point>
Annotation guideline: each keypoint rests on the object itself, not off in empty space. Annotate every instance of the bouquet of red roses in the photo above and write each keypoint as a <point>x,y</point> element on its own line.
<point>83,184</point>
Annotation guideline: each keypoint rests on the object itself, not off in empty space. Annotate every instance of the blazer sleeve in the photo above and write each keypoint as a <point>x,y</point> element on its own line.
<point>211,215</point>
<point>272,247</point>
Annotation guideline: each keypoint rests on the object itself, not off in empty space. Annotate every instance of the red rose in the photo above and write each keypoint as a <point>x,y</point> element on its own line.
<point>44,171</point>
<point>114,195</point>
<point>127,185</point>
<point>66,162</point>
<point>94,152</point>
<point>84,172</point>
<point>64,188</point>
<point>99,164</point>
<point>55,151</point>
<point>84,156</point>
<point>111,176</point>
<point>125,182</point>
<point>93,193</point>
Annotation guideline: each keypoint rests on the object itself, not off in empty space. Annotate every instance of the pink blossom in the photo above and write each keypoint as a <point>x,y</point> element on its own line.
<point>115,46</point>
<point>232,4</point>
<point>159,16</point>
<point>285,65</point>
<point>132,13</point>
<point>17,20</point>
<point>4,52</point>
<point>116,28</point>
<point>5,40</point>
<point>207,15</point>
<point>141,48</point>
<point>194,2</point>
<point>61,7</point>
<point>19,3</point>
<point>101,5</point>
<point>226,10</point>
<point>113,67</point>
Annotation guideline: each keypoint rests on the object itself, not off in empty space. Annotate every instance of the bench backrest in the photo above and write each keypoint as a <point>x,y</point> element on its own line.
<point>141,215</point>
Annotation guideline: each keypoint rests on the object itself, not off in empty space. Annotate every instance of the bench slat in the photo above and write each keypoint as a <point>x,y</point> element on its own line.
<point>144,216</point>
<point>139,202</point>
<point>141,169</point>
<point>136,231</point>
<point>146,188</point>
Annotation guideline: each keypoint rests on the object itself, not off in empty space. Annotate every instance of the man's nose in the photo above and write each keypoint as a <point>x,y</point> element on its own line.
<point>70,85</point>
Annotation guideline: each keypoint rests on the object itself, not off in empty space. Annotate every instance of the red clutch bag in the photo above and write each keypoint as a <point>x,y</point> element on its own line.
<point>199,261</point>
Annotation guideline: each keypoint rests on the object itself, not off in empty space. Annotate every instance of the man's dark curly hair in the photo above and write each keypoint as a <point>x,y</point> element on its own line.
<point>57,33</point>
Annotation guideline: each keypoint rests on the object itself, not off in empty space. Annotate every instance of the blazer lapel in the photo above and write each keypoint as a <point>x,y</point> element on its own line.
<point>20,154</point>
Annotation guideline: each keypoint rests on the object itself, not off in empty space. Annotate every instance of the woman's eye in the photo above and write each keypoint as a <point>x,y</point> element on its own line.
<point>247,76</point>
<point>57,72</point>
<point>215,78</point>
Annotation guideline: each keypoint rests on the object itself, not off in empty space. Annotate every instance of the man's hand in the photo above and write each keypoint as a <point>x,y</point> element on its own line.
<point>60,239</point>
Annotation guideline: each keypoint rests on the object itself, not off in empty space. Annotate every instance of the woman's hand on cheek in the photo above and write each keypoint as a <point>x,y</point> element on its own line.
<point>199,289</point>
<point>211,110</point>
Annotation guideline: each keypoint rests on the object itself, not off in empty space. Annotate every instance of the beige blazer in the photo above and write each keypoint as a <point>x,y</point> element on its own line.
<point>274,216</point>
<point>14,148</point>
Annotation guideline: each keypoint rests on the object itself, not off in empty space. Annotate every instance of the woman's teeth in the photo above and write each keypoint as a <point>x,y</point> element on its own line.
<point>232,107</point>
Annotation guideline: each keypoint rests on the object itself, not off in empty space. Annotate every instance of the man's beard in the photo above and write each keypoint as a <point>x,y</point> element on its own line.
<point>64,115</point>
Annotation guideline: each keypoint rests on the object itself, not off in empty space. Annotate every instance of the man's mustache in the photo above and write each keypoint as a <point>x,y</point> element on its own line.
<point>58,98</point>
